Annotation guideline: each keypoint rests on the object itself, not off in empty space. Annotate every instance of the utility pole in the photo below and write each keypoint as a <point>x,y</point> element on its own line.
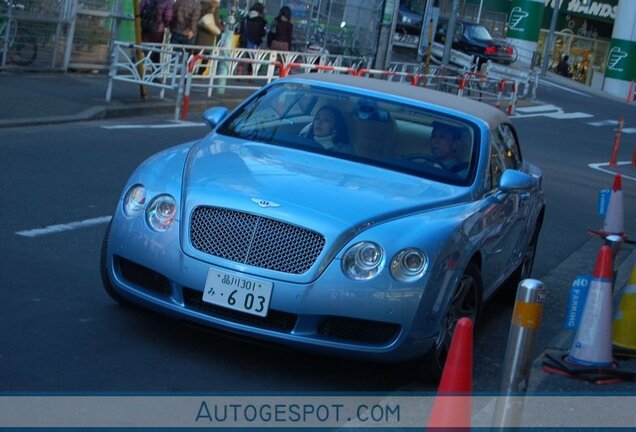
<point>450,34</point>
<point>387,29</point>
<point>556,4</point>
<point>424,31</point>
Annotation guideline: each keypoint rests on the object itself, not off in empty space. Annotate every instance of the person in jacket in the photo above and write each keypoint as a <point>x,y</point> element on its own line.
<point>281,31</point>
<point>163,18</point>
<point>253,27</point>
<point>210,25</point>
<point>185,21</point>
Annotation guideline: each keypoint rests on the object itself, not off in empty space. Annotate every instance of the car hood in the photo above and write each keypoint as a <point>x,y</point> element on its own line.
<point>337,199</point>
<point>304,188</point>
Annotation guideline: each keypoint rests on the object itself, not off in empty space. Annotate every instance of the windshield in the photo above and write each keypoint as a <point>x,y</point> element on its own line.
<point>478,32</point>
<point>360,128</point>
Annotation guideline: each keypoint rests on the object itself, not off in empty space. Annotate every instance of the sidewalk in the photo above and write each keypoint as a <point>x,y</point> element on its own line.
<point>49,98</point>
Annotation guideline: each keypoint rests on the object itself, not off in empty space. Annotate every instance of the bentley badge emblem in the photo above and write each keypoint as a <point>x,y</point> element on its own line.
<point>264,203</point>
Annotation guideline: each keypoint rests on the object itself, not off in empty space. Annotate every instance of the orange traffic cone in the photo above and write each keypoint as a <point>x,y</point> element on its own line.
<point>614,216</point>
<point>452,405</point>
<point>592,345</point>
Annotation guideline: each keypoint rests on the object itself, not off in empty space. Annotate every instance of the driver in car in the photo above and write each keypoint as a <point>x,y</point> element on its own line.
<point>445,140</point>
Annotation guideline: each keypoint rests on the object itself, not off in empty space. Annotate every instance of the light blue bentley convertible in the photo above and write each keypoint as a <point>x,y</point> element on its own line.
<point>332,213</point>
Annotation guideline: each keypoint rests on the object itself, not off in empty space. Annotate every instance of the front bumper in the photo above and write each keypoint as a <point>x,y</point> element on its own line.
<point>332,315</point>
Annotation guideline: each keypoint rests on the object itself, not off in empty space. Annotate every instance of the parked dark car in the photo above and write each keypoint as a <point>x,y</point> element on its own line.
<point>409,22</point>
<point>475,39</point>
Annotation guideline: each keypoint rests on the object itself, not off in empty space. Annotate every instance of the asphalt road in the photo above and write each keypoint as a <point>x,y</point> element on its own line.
<point>61,332</point>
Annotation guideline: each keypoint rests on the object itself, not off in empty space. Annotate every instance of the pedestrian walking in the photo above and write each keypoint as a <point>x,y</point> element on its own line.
<point>156,16</point>
<point>210,25</point>
<point>280,33</point>
<point>185,21</point>
<point>253,27</point>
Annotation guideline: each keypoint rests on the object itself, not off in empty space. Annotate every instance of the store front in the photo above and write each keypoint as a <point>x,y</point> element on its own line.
<point>587,56</point>
<point>583,32</point>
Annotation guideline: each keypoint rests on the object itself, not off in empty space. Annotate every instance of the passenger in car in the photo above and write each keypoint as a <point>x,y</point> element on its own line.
<point>329,130</point>
<point>445,141</point>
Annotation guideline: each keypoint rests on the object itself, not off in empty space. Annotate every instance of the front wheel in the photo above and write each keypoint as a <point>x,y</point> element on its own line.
<point>466,302</point>
<point>524,270</point>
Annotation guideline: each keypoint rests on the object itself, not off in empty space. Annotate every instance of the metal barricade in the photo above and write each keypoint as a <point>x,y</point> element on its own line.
<point>126,67</point>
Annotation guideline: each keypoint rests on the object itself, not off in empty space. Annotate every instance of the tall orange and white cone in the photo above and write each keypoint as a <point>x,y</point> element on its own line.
<point>624,328</point>
<point>614,216</point>
<point>452,405</point>
<point>592,345</point>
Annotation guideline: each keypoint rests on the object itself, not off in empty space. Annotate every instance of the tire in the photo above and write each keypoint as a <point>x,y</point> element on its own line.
<point>108,286</point>
<point>24,48</point>
<point>524,270</point>
<point>466,302</point>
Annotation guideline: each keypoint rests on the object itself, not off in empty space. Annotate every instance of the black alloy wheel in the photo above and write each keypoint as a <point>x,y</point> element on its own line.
<point>466,302</point>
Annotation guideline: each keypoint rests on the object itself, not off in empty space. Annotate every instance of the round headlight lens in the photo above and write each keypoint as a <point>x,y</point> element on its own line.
<point>363,261</point>
<point>161,212</point>
<point>409,265</point>
<point>134,200</point>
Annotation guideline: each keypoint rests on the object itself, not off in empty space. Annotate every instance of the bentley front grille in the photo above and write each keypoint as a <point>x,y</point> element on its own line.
<point>254,240</point>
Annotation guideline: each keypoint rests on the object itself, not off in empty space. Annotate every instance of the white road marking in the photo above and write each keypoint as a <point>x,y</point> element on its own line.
<point>174,124</point>
<point>568,116</point>
<point>537,108</point>
<point>64,227</point>
<point>597,166</point>
<point>604,123</point>
<point>560,87</point>
<point>550,111</point>
<point>629,130</point>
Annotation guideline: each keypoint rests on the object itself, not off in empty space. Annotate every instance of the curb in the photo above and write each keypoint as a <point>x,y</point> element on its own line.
<point>116,110</point>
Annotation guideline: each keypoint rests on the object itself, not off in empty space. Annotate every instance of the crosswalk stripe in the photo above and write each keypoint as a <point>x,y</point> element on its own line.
<point>568,116</point>
<point>537,108</point>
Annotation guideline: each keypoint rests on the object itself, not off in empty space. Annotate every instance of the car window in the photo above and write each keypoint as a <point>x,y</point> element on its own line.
<point>510,146</point>
<point>478,32</point>
<point>371,130</point>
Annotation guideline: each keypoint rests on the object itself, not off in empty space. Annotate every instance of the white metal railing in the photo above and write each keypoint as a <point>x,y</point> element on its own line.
<point>184,68</point>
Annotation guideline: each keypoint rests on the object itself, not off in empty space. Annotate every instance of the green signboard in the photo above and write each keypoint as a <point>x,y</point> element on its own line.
<point>621,60</point>
<point>524,20</point>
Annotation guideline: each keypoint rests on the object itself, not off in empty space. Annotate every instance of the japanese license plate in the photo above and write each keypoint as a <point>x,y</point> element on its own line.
<point>235,292</point>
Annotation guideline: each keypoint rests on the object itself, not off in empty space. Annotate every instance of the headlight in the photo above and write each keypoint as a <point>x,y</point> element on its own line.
<point>161,212</point>
<point>409,265</point>
<point>134,200</point>
<point>363,261</point>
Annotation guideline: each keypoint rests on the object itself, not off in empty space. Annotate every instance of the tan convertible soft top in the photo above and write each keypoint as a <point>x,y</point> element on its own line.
<point>480,110</point>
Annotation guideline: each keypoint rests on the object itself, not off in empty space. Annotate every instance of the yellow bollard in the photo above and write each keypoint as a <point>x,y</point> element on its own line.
<point>624,325</point>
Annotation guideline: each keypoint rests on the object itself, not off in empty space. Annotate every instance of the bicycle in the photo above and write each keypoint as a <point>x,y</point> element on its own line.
<point>22,44</point>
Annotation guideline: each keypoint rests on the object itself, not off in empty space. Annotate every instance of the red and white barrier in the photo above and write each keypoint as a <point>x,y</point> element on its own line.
<point>617,141</point>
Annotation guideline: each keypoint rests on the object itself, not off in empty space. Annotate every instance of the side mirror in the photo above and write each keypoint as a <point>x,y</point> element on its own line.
<point>213,116</point>
<point>516,181</point>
